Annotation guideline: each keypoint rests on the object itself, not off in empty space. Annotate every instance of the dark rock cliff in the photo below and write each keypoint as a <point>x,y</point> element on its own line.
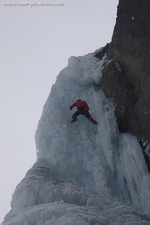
<point>129,86</point>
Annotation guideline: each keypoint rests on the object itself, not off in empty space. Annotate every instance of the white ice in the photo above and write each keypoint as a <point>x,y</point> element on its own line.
<point>84,174</point>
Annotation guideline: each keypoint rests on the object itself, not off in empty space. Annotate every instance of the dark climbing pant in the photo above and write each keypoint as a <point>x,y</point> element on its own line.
<point>81,111</point>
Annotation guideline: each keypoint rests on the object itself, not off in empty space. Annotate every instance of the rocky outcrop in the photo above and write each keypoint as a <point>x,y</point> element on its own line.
<point>129,87</point>
<point>116,87</point>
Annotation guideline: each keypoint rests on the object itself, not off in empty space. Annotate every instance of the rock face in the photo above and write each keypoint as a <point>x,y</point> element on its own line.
<point>126,80</point>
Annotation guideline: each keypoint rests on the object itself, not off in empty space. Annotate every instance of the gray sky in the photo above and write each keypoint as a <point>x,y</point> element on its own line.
<point>35,44</point>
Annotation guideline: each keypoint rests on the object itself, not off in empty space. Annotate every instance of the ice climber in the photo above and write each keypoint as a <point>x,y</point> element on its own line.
<point>82,108</point>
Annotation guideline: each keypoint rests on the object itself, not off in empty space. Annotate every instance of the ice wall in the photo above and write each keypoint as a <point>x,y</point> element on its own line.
<point>76,150</point>
<point>95,156</point>
<point>84,174</point>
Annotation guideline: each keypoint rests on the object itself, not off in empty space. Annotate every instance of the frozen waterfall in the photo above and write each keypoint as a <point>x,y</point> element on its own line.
<point>84,174</point>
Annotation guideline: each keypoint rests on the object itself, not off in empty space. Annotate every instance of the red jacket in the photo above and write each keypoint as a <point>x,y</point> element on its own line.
<point>79,104</point>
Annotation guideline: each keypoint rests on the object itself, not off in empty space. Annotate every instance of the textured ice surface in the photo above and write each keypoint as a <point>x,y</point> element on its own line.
<point>84,174</point>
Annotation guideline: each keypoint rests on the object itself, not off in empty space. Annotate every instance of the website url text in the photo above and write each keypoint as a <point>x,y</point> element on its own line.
<point>33,4</point>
